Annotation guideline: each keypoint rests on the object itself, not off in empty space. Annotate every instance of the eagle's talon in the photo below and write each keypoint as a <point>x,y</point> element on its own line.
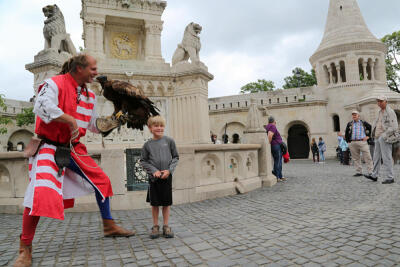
<point>119,114</point>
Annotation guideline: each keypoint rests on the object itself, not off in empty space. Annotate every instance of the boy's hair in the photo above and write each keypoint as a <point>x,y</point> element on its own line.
<point>155,120</point>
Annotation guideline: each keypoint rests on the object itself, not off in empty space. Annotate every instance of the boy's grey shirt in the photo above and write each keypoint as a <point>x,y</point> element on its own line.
<point>158,155</point>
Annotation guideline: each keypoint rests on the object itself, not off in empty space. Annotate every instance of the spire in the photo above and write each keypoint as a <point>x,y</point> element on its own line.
<point>345,24</point>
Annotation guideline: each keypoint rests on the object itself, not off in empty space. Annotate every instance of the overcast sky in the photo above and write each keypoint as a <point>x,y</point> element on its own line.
<point>242,41</point>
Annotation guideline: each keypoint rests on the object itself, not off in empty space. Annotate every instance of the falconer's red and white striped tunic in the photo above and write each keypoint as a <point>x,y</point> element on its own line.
<point>49,194</point>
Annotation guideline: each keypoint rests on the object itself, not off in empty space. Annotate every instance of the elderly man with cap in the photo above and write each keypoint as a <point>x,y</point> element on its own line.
<point>384,131</point>
<point>358,134</point>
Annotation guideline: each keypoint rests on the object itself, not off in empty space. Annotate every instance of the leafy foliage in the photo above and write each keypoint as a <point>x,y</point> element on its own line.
<point>260,86</point>
<point>300,78</point>
<point>26,117</point>
<point>392,41</point>
<point>3,120</point>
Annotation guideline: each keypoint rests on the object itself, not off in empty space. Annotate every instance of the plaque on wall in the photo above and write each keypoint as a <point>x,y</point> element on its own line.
<point>123,45</point>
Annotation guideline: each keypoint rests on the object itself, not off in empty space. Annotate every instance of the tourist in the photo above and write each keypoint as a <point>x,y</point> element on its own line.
<point>343,149</point>
<point>385,133</point>
<point>358,133</point>
<point>275,140</point>
<point>64,110</point>
<point>321,149</point>
<point>159,158</point>
<point>314,150</point>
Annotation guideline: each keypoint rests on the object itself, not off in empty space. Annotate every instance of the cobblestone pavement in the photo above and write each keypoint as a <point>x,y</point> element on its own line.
<point>321,216</point>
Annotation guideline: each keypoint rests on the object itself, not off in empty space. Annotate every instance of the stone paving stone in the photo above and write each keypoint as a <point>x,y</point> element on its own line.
<point>339,220</point>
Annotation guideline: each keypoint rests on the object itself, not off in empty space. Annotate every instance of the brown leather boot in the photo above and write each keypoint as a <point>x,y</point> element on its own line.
<point>25,255</point>
<point>111,229</point>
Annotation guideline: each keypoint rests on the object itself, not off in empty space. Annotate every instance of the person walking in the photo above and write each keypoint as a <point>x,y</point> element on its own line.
<point>385,133</point>
<point>358,135</point>
<point>275,140</point>
<point>321,149</point>
<point>314,150</point>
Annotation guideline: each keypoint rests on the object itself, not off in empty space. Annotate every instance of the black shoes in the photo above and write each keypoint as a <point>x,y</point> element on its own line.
<point>388,181</point>
<point>368,176</point>
<point>358,174</point>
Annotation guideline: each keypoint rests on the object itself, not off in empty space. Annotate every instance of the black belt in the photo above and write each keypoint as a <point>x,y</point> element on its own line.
<point>358,140</point>
<point>54,143</point>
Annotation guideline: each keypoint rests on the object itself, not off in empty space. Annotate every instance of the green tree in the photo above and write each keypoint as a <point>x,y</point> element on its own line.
<point>26,117</point>
<point>300,78</point>
<point>260,86</point>
<point>392,42</point>
<point>3,120</point>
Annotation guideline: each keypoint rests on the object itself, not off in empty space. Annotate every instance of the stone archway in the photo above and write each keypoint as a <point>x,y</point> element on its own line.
<point>21,137</point>
<point>298,142</point>
<point>232,128</point>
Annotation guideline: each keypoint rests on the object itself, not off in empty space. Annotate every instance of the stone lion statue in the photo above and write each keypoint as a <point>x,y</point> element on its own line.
<point>190,46</point>
<point>54,32</point>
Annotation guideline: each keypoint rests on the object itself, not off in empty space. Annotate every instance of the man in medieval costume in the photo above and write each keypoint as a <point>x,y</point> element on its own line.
<point>60,169</point>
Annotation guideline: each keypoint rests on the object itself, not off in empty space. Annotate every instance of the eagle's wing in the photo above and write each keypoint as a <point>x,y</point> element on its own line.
<point>125,88</point>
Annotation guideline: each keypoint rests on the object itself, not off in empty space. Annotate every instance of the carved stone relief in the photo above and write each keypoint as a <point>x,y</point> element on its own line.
<point>123,45</point>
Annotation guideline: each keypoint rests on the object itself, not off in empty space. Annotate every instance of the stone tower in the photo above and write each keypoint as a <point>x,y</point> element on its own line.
<point>348,53</point>
<point>350,65</point>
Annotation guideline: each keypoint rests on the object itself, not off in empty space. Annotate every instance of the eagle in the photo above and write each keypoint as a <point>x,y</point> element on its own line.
<point>131,106</point>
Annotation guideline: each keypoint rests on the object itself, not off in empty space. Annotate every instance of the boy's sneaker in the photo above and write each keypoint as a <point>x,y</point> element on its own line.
<point>167,232</point>
<point>155,232</point>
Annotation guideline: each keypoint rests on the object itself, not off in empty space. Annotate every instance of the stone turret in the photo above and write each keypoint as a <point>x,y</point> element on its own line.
<point>349,53</point>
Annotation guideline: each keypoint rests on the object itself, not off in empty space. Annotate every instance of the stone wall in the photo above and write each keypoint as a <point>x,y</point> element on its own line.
<point>203,172</point>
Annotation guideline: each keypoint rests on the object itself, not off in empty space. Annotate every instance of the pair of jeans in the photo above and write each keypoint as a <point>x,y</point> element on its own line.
<point>321,155</point>
<point>277,155</point>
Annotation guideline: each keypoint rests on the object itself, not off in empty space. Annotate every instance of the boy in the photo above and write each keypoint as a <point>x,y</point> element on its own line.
<point>159,159</point>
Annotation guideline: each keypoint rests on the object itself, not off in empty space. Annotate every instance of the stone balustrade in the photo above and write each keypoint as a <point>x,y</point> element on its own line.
<point>203,172</point>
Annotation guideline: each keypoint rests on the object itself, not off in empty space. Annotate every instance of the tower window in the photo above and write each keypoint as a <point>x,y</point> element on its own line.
<point>341,7</point>
<point>336,123</point>
<point>262,102</point>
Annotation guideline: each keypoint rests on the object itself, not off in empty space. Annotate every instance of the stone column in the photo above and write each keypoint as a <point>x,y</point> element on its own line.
<point>372,66</point>
<point>153,41</point>
<point>99,30</point>
<point>365,74</point>
<point>330,74</point>
<point>339,77</point>
<point>189,105</point>
<point>94,36</point>
<point>255,134</point>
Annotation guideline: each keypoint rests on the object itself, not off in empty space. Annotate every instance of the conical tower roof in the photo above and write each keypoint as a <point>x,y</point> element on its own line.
<point>344,25</point>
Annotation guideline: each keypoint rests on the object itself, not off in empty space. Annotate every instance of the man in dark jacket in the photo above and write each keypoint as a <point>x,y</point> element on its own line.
<point>358,135</point>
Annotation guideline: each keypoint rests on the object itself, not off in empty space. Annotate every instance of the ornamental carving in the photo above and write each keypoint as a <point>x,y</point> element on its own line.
<point>123,45</point>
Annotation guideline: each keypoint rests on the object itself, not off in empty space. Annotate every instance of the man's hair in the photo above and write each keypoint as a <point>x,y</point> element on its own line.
<point>155,120</point>
<point>271,119</point>
<point>72,64</point>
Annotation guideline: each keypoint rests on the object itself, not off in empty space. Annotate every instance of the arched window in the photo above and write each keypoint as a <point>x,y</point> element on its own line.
<point>336,123</point>
<point>335,77</point>
<point>342,71</point>
<point>361,69</point>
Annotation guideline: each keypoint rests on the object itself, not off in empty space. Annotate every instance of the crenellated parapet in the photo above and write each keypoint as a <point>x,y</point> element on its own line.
<point>269,99</point>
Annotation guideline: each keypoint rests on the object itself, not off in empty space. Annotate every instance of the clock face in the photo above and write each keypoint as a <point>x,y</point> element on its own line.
<point>123,45</point>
